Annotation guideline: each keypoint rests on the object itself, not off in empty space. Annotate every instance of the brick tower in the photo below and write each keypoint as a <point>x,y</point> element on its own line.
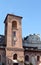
<point>13,40</point>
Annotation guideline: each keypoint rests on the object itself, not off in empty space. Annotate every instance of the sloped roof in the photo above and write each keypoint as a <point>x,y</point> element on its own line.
<point>12,15</point>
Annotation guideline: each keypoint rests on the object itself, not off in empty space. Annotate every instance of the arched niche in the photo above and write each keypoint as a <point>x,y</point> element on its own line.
<point>15,56</point>
<point>14,24</point>
<point>26,58</point>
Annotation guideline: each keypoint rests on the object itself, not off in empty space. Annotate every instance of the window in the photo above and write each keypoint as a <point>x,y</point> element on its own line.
<point>15,56</point>
<point>26,64</point>
<point>0,58</point>
<point>26,58</point>
<point>14,33</point>
<point>38,57</point>
<point>14,25</point>
<point>13,37</point>
<point>15,64</point>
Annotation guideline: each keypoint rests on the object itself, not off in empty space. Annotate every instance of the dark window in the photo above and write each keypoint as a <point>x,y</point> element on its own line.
<point>38,57</point>
<point>0,58</point>
<point>26,64</point>
<point>14,33</point>
<point>15,56</point>
<point>15,63</point>
<point>14,25</point>
<point>26,58</point>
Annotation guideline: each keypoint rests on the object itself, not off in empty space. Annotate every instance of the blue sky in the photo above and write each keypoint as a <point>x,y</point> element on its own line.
<point>30,10</point>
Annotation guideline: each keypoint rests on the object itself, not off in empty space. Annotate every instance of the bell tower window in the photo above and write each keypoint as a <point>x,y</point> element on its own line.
<point>0,58</point>
<point>14,25</point>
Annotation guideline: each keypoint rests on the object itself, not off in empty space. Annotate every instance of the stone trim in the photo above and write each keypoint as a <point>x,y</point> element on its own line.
<point>15,49</point>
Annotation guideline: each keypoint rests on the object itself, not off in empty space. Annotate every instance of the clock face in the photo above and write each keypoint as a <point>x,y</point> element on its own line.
<point>14,38</point>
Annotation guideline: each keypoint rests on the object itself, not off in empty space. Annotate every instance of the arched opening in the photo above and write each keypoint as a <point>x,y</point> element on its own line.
<point>26,58</point>
<point>0,58</point>
<point>15,62</point>
<point>15,56</point>
<point>38,58</point>
<point>14,25</point>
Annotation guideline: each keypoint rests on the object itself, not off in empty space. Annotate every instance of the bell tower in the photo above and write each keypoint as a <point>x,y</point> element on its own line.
<point>13,39</point>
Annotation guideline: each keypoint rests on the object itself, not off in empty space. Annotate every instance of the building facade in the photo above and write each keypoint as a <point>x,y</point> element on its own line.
<point>32,50</point>
<point>11,47</point>
<point>17,51</point>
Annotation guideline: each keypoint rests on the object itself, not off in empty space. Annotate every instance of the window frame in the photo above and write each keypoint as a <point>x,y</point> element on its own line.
<point>15,57</point>
<point>38,58</point>
<point>26,57</point>
<point>14,25</point>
